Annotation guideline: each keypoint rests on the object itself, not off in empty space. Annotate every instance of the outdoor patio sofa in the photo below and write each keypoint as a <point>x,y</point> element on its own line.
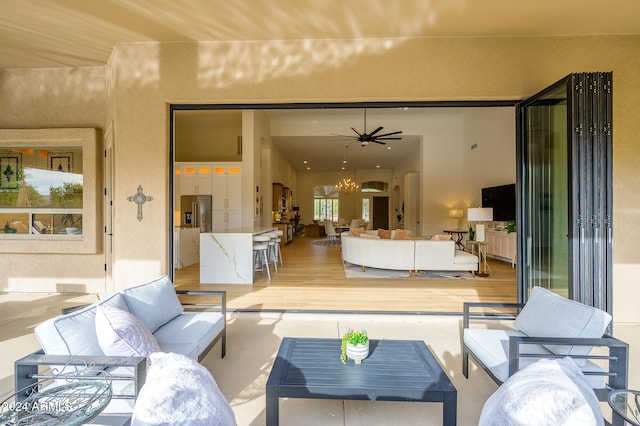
<point>184,322</point>
<point>548,326</point>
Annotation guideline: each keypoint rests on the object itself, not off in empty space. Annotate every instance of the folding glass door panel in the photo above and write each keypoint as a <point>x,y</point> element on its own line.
<point>564,181</point>
<point>546,185</point>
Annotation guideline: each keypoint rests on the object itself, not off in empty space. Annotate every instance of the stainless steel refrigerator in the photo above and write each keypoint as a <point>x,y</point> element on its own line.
<point>196,212</point>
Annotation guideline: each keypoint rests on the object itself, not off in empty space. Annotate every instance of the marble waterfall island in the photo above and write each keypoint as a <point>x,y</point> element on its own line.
<point>226,257</point>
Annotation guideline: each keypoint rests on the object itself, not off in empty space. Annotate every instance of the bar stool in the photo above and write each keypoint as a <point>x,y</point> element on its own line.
<point>261,253</point>
<point>274,245</point>
<point>279,247</point>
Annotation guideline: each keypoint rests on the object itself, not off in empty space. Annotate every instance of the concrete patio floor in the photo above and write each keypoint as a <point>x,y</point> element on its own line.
<point>253,341</point>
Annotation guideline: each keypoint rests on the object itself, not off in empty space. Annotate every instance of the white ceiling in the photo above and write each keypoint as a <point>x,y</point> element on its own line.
<point>71,33</point>
<point>322,139</point>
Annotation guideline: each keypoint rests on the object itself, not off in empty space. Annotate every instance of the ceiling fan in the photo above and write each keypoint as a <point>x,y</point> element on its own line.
<point>365,138</point>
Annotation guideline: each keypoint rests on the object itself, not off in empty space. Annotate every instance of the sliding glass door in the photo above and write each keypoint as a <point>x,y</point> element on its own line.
<point>564,177</point>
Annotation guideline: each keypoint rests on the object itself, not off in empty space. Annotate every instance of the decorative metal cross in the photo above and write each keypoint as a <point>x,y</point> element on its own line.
<point>139,198</point>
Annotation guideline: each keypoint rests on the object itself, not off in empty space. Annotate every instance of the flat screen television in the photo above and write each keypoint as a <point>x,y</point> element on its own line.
<point>503,200</point>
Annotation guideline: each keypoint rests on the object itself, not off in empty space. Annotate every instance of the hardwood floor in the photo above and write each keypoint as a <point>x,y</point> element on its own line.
<point>313,279</point>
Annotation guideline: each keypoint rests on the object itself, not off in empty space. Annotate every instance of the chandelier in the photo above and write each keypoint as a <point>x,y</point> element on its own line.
<point>347,186</point>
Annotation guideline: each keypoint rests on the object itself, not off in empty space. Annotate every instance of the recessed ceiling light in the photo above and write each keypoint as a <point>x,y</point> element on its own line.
<point>344,161</point>
<point>308,168</point>
<point>342,167</point>
<point>305,161</point>
<point>388,147</point>
<point>378,166</point>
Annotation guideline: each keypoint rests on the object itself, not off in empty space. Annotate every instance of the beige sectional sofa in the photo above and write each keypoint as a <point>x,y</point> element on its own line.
<point>411,255</point>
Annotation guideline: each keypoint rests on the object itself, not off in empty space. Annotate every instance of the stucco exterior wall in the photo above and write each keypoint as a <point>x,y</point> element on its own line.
<point>144,78</point>
<point>53,98</point>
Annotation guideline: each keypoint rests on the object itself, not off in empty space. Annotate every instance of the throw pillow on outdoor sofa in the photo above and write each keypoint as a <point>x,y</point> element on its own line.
<point>180,392</point>
<point>547,314</point>
<point>120,333</point>
<point>155,303</point>
<point>546,393</point>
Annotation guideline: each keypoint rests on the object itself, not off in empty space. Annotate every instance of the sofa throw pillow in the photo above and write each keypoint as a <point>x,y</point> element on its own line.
<point>441,237</point>
<point>385,234</point>
<point>75,333</point>
<point>120,333</point>
<point>546,393</point>
<point>179,391</point>
<point>155,303</point>
<point>402,234</point>
<point>547,314</point>
<point>356,232</point>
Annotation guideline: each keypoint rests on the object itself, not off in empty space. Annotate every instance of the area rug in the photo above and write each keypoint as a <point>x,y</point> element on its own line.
<point>355,271</point>
<point>328,242</point>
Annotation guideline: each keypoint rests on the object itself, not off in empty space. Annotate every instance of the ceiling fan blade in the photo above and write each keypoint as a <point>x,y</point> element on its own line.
<point>376,131</point>
<point>358,133</point>
<point>376,140</point>
<point>388,139</point>
<point>389,134</point>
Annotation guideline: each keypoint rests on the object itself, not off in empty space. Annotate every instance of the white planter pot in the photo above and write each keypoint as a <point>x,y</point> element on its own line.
<point>357,352</point>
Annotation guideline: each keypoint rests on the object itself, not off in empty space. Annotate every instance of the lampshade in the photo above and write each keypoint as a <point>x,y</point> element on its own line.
<point>480,214</point>
<point>456,213</point>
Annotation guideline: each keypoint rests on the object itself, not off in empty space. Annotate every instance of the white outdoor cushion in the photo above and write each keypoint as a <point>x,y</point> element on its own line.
<point>180,392</point>
<point>547,314</point>
<point>75,333</point>
<point>491,347</point>
<point>120,333</point>
<point>155,302</point>
<point>547,393</point>
<point>189,334</point>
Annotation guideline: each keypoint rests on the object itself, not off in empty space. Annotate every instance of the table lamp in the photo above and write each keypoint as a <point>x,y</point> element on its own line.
<point>456,214</point>
<point>480,214</point>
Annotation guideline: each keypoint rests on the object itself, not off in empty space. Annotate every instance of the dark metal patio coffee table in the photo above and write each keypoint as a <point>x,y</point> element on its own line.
<point>396,370</point>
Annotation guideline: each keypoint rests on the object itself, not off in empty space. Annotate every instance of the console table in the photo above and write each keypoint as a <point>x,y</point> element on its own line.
<point>459,235</point>
<point>396,370</point>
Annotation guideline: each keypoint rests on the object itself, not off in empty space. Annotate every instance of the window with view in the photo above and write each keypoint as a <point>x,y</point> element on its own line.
<point>365,209</point>
<point>41,190</point>
<point>325,203</point>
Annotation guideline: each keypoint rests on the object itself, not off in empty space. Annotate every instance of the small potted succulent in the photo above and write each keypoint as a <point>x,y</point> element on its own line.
<point>355,346</point>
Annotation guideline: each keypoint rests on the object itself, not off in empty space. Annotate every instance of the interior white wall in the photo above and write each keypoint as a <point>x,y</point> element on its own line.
<point>451,173</point>
<point>492,162</point>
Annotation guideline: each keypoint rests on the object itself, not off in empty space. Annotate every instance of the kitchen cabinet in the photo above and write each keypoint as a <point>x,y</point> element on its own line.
<point>195,179</point>
<point>186,247</point>
<point>287,231</point>
<point>278,205</point>
<point>227,197</point>
<point>223,181</point>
